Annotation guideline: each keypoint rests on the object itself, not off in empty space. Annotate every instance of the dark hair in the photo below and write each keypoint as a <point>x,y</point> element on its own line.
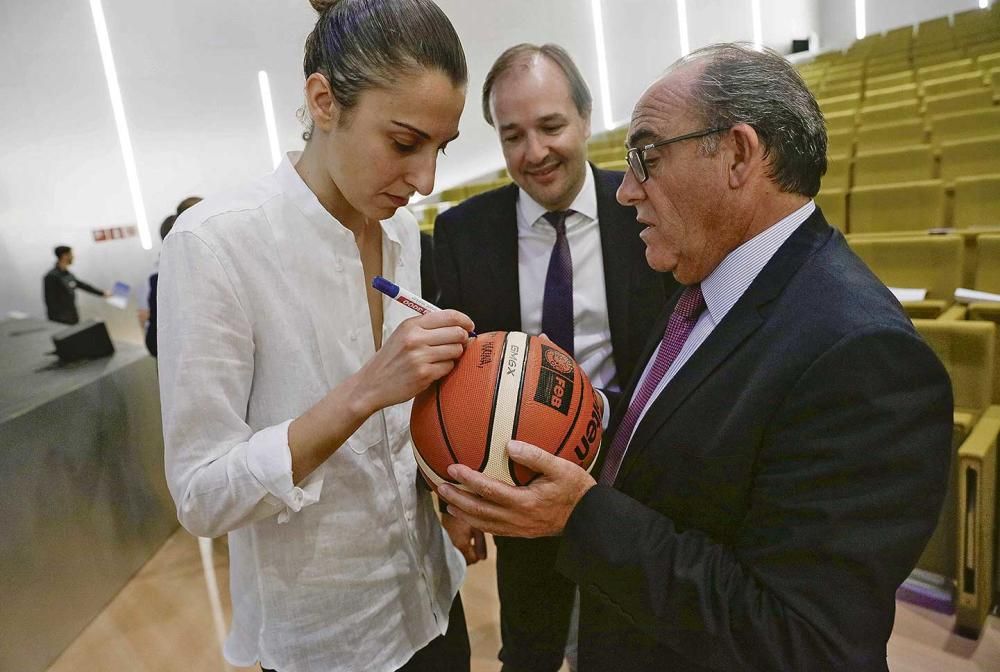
<point>187,203</point>
<point>167,224</point>
<point>61,250</point>
<point>363,44</point>
<point>577,85</point>
<point>741,84</point>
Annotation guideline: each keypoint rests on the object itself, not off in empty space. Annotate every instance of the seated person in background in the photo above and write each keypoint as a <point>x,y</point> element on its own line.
<point>60,289</point>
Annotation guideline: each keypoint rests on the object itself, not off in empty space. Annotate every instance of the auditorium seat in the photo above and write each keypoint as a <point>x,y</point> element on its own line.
<point>891,166</point>
<point>894,134</point>
<point>840,142</point>
<point>952,84</point>
<point>933,263</point>
<point>911,206</point>
<point>978,156</point>
<point>838,172</point>
<point>964,125</point>
<point>849,101</point>
<point>948,69</point>
<point>840,121</point>
<point>937,58</point>
<point>901,93</point>
<point>880,114</point>
<point>833,202</point>
<point>977,200</point>
<point>962,101</point>
<point>962,547</point>
<point>903,76</point>
<point>988,280</point>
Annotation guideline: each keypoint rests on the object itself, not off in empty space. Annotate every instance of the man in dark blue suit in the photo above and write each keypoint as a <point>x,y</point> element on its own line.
<point>555,253</point>
<point>777,465</point>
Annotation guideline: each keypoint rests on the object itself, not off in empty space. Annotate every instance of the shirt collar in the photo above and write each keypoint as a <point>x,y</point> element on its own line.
<point>585,202</point>
<point>733,276</point>
<point>299,193</point>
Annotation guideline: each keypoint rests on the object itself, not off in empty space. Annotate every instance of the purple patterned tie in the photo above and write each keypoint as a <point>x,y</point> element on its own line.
<point>682,321</point>
<point>557,302</point>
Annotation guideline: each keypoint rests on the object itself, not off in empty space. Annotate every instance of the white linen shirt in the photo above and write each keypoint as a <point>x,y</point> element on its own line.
<point>263,310</point>
<point>535,239</point>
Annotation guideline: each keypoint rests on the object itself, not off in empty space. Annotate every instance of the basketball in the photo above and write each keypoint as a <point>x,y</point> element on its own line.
<point>507,385</point>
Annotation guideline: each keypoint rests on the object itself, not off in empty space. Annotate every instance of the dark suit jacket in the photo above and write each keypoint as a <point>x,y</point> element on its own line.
<point>779,489</point>
<point>475,261</point>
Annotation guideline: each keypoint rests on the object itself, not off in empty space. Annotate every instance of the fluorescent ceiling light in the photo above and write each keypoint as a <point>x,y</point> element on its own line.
<point>859,19</point>
<point>602,63</point>
<point>758,32</point>
<point>118,108</point>
<point>272,129</point>
<point>682,22</point>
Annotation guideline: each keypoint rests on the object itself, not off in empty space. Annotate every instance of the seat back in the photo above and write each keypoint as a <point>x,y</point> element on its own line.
<point>977,201</point>
<point>988,266</point>
<point>881,114</point>
<point>891,135</point>
<point>891,166</point>
<point>933,263</point>
<point>833,202</point>
<point>964,125</point>
<point>962,101</point>
<point>910,206</point>
<point>970,157</point>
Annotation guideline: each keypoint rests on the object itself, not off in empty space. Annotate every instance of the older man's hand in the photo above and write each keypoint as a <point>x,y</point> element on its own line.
<point>539,509</point>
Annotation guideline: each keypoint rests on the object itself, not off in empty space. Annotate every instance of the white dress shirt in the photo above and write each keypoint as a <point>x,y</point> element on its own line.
<point>535,238</point>
<point>263,310</point>
<point>723,288</point>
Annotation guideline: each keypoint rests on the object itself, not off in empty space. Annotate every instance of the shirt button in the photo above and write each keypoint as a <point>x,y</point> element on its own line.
<point>354,334</point>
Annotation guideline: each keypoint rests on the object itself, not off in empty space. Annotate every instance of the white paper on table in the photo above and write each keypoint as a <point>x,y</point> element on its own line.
<point>908,293</point>
<point>119,295</point>
<point>963,295</point>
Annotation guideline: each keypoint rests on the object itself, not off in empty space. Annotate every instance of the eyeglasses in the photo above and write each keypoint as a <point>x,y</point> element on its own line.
<point>636,156</point>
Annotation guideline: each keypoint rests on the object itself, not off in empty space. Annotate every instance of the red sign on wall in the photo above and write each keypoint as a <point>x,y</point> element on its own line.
<point>115,233</point>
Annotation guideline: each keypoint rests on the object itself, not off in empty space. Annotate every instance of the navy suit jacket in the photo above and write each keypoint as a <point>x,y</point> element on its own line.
<point>476,265</point>
<point>779,489</point>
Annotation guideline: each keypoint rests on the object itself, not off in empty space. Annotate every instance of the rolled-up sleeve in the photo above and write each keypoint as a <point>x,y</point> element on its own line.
<point>221,473</point>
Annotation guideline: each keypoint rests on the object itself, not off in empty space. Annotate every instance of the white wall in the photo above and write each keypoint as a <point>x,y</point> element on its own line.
<point>188,72</point>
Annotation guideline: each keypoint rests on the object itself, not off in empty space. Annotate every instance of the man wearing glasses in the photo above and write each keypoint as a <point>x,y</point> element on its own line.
<point>554,253</point>
<point>779,462</point>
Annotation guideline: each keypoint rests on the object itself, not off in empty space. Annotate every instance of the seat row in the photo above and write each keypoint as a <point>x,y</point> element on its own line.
<point>962,558</point>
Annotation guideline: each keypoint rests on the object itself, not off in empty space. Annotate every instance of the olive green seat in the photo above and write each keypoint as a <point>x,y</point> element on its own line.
<point>932,263</point>
<point>905,207</point>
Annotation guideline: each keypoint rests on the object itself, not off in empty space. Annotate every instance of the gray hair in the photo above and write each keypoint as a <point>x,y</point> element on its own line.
<point>577,84</point>
<point>741,84</point>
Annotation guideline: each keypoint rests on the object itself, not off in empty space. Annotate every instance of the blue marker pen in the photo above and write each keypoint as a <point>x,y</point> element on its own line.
<point>406,297</point>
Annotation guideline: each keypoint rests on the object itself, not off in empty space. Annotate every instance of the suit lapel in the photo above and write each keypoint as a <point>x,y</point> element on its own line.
<point>615,243</point>
<point>736,327</point>
<point>503,289</point>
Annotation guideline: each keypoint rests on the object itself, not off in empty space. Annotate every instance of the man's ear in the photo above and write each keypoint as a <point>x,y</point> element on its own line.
<point>746,154</point>
<point>320,102</point>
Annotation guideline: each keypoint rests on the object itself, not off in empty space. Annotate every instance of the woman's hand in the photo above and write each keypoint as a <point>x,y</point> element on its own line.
<point>467,539</point>
<point>419,352</point>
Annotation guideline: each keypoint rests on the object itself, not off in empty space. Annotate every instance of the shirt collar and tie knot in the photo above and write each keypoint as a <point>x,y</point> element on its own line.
<point>557,218</point>
<point>690,304</point>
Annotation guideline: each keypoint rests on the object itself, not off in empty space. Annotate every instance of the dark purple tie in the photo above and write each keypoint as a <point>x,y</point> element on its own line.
<point>682,321</point>
<point>557,302</point>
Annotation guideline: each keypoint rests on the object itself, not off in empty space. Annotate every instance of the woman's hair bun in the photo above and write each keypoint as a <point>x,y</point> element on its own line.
<point>322,5</point>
